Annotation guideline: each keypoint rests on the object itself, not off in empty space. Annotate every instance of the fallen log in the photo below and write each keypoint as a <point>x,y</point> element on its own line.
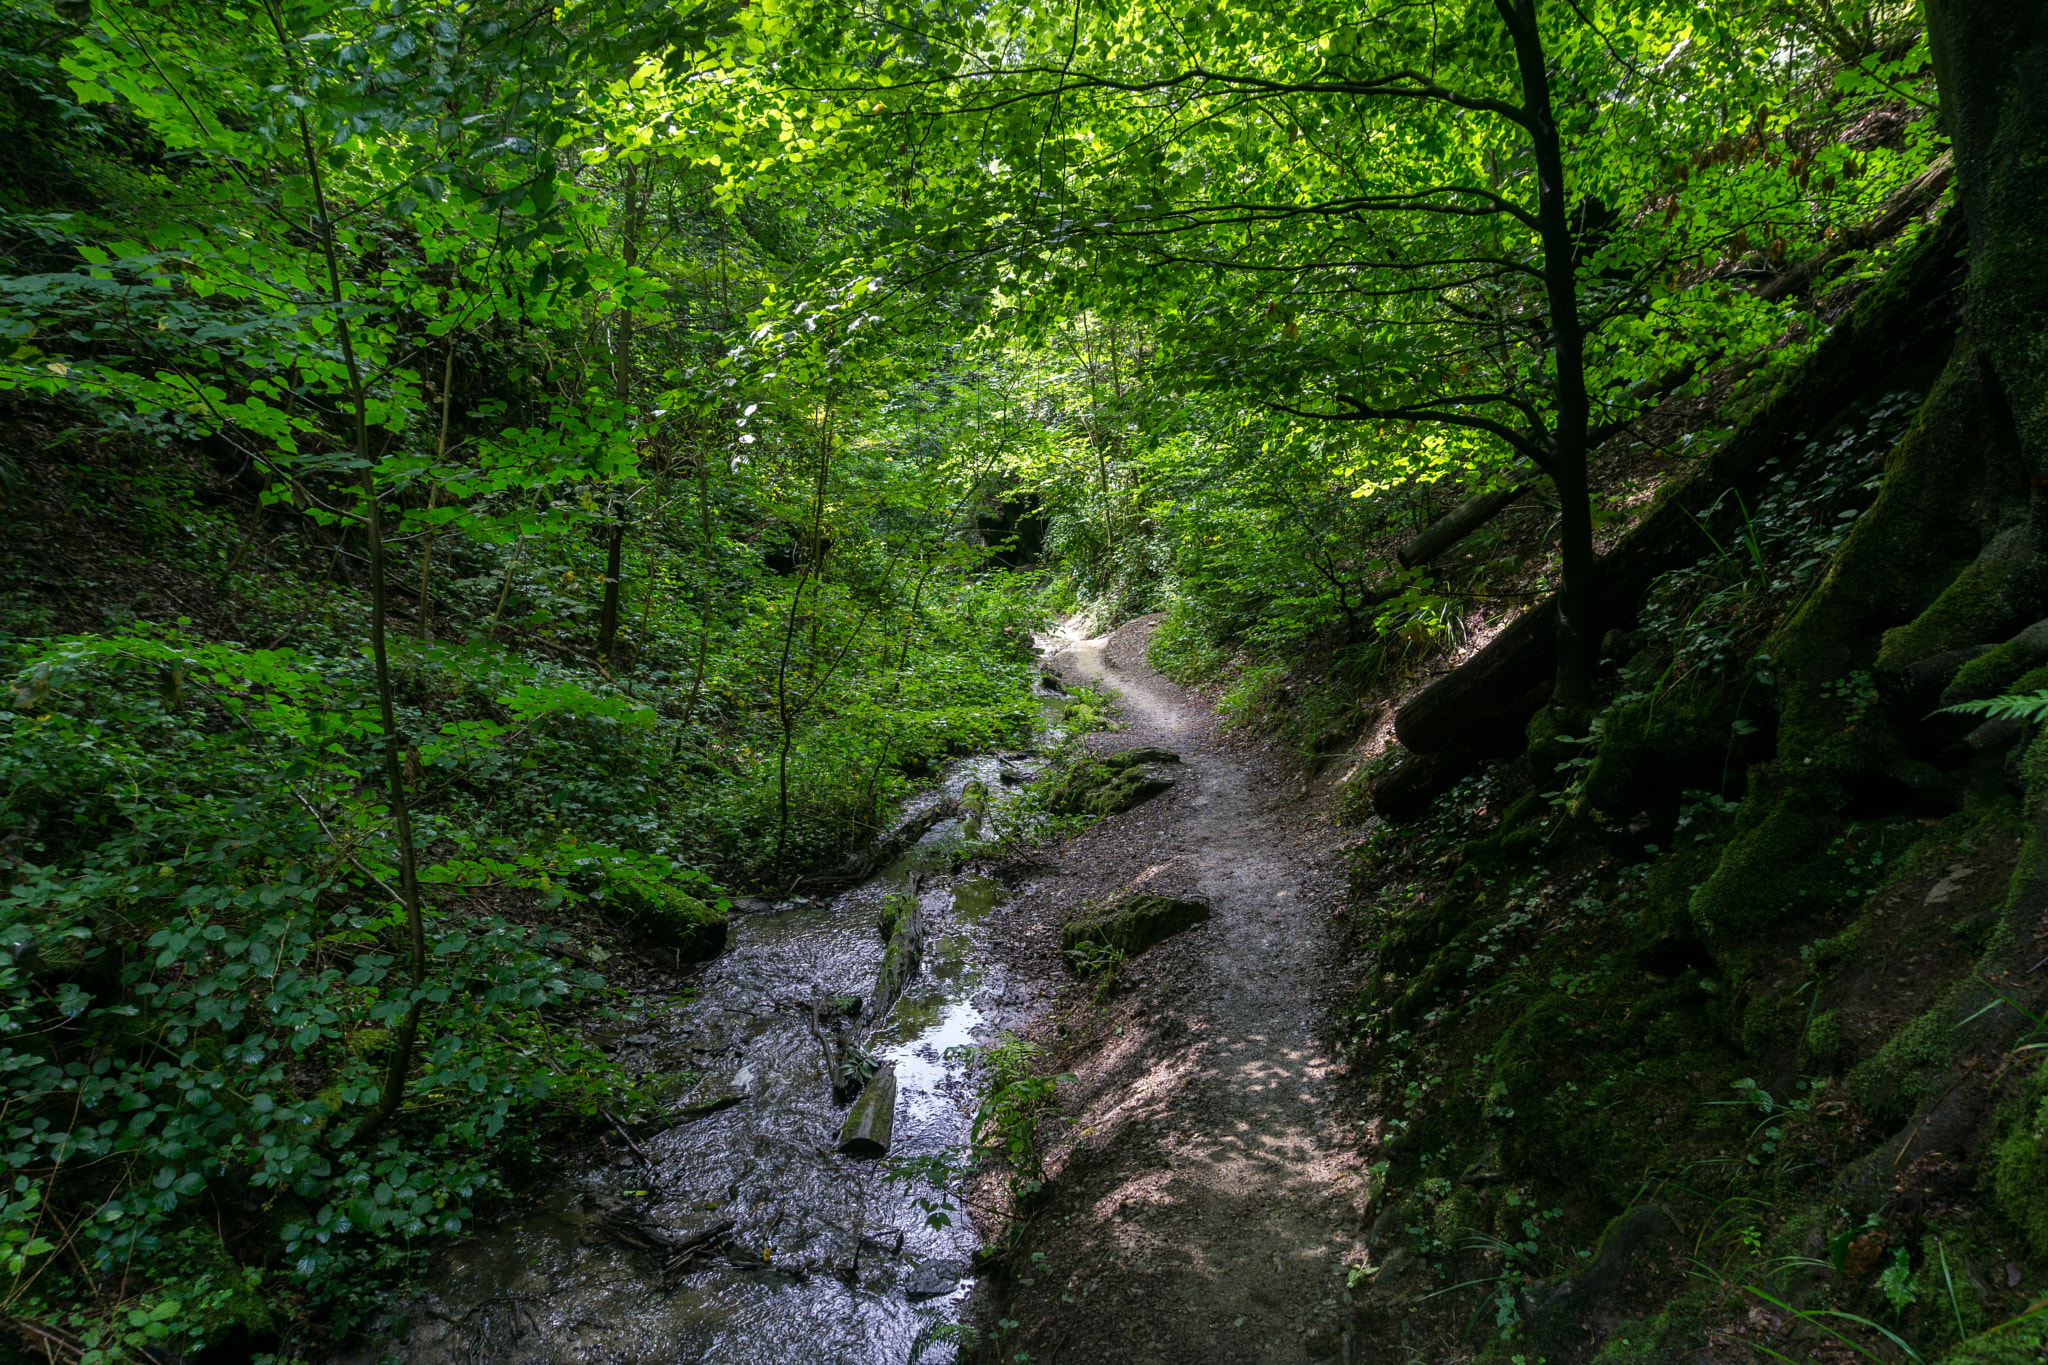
<point>1467,517</point>
<point>1891,219</point>
<point>862,864</point>
<point>872,1120</point>
<point>1902,325</point>
<point>899,961</point>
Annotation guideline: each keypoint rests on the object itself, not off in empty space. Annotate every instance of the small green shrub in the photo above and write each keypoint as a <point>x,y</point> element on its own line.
<point>1008,1120</point>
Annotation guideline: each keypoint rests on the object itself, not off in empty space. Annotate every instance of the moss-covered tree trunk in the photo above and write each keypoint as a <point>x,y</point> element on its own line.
<point>1929,595</point>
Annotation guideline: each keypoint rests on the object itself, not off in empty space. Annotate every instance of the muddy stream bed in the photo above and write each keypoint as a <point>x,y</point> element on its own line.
<point>739,1236</point>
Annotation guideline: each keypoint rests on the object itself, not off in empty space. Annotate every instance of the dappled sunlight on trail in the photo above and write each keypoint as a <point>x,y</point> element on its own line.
<point>1205,1201</point>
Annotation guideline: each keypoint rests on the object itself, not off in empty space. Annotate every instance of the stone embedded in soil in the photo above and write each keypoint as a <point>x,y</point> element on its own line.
<point>872,1120</point>
<point>1132,922</point>
<point>1147,754</point>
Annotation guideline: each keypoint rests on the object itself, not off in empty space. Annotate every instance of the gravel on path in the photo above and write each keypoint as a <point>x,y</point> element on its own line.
<point>1205,1201</point>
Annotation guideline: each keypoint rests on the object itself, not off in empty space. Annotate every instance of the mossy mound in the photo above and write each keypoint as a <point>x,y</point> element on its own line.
<point>2023,1343</point>
<point>2019,1164</point>
<point>669,917</point>
<point>1132,923</point>
<point>1108,785</point>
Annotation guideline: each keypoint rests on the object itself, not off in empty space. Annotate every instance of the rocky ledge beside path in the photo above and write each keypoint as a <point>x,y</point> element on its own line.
<point>1204,1203</point>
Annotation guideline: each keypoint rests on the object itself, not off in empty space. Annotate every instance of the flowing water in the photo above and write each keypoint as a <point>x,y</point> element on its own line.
<point>826,1262</point>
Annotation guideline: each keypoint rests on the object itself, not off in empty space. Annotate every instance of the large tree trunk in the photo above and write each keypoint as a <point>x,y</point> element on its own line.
<point>1576,613</point>
<point>1991,65</point>
<point>1950,556</point>
<point>622,388</point>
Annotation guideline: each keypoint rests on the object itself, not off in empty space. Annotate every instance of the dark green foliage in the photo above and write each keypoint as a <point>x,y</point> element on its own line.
<point>1684,920</point>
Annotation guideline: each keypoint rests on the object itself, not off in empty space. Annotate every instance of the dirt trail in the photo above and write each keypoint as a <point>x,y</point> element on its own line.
<point>1206,1202</point>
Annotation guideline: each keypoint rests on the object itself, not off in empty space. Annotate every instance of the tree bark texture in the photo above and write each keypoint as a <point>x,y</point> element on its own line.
<point>1576,613</point>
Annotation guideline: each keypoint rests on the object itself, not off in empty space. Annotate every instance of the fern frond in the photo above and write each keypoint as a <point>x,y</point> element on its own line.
<point>2028,706</point>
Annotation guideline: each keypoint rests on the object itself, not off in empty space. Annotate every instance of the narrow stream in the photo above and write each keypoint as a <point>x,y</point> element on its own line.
<point>826,1261</point>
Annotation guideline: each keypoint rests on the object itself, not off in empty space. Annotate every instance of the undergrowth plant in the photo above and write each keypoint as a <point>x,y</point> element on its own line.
<point>1013,1109</point>
<point>204,947</point>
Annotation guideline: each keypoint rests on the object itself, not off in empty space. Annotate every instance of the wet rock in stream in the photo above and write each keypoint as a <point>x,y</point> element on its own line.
<point>744,1237</point>
<point>933,1279</point>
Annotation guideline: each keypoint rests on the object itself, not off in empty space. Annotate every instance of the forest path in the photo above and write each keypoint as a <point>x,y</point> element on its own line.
<point>1206,1201</point>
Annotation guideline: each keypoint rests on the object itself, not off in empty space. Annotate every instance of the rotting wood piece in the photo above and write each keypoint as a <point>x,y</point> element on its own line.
<point>872,1120</point>
<point>900,961</point>
<point>848,1064</point>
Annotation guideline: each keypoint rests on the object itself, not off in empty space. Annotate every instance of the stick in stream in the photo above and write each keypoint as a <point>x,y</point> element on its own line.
<point>694,1246</point>
<point>834,1068</point>
<point>639,1152</point>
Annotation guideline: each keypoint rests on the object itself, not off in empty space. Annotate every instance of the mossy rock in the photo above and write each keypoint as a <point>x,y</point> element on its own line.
<point>1129,758</point>
<point>669,917</point>
<point>2022,1343</point>
<point>1108,785</point>
<point>1545,733</point>
<point>894,908</point>
<point>1415,934</point>
<point>1666,1338</point>
<point>1132,923</point>
<point>1776,867</point>
<point>660,1089</point>
<point>2019,1163</point>
<point>1652,750</point>
<point>1824,1043</point>
<point>2000,670</point>
<point>1772,1024</point>
<point>1531,809</point>
<point>1431,985</point>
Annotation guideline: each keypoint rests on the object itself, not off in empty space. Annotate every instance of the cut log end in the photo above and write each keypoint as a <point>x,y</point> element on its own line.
<point>872,1120</point>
